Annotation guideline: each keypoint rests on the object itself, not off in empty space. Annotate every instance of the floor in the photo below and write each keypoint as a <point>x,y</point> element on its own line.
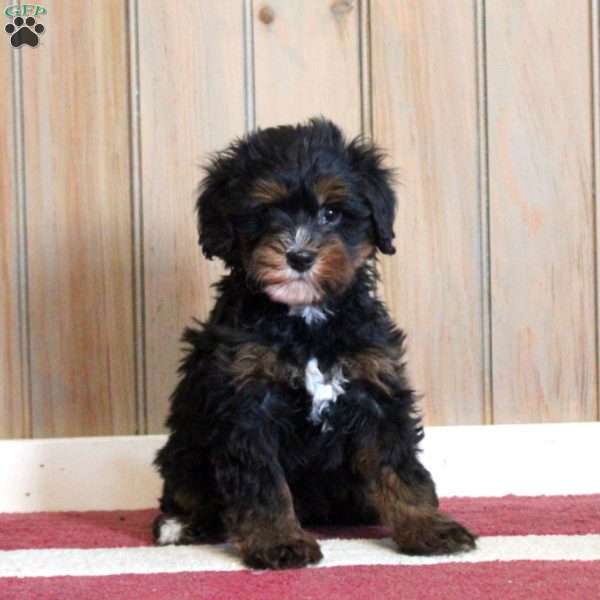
<point>75,523</point>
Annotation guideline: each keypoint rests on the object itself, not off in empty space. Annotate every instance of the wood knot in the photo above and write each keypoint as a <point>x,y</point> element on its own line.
<point>341,7</point>
<point>266,15</point>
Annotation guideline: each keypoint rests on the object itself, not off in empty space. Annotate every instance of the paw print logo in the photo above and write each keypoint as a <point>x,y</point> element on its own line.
<point>24,31</point>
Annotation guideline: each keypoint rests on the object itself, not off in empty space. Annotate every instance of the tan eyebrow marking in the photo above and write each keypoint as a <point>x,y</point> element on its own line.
<point>267,191</point>
<point>330,188</point>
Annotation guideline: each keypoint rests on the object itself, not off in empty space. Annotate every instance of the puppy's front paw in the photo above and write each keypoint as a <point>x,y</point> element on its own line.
<point>282,553</point>
<point>438,534</point>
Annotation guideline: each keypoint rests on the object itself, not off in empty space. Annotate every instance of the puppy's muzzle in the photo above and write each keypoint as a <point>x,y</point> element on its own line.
<point>301,260</point>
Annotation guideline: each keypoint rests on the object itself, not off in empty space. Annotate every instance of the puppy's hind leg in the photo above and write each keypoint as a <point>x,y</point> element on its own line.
<point>187,518</point>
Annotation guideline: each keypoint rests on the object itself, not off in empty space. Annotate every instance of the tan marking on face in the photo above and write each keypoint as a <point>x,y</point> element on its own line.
<point>268,263</point>
<point>269,268</point>
<point>365,252</point>
<point>298,292</point>
<point>333,267</point>
<point>332,272</point>
<point>268,191</point>
<point>330,189</point>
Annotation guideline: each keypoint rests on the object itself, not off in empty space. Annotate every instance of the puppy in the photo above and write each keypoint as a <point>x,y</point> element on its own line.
<point>293,406</point>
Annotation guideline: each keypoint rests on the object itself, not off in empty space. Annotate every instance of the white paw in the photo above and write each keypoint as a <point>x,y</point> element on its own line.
<point>170,531</point>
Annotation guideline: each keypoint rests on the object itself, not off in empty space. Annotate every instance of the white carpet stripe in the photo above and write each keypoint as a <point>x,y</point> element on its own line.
<point>172,559</point>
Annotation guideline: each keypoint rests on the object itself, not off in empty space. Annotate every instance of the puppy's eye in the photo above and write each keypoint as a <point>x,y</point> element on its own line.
<point>329,216</point>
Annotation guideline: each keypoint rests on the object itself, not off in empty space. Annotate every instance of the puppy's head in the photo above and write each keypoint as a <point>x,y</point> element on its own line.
<point>298,209</point>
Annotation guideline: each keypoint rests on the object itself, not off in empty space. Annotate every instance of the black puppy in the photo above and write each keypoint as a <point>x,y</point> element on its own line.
<point>294,406</point>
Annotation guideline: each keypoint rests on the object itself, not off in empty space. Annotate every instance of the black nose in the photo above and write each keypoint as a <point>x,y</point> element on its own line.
<point>301,261</point>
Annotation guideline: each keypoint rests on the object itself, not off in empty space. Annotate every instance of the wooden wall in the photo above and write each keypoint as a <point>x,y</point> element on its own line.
<point>487,107</point>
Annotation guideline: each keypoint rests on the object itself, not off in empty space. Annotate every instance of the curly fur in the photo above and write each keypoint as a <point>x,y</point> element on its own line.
<point>244,460</point>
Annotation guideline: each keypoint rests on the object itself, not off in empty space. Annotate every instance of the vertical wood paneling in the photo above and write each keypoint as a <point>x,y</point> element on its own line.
<point>78,215</point>
<point>489,109</point>
<point>192,103</point>
<point>595,33</point>
<point>307,62</point>
<point>425,113</point>
<point>366,116</point>
<point>13,409</point>
<point>542,232</point>
<point>139,330</point>
<point>484,213</point>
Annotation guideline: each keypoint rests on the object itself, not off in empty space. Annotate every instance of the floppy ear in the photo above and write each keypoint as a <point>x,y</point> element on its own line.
<point>374,182</point>
<point>216,232</point>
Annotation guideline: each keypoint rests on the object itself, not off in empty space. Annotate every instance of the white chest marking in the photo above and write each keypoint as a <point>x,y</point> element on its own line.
<point>310,314</point>
<point>324,389</point>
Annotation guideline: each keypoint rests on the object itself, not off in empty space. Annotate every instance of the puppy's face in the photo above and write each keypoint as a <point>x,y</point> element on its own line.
<point>305,241</point>
<point>298,209</point>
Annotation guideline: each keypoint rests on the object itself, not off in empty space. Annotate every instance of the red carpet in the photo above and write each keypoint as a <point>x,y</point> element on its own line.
<point>541,547</point>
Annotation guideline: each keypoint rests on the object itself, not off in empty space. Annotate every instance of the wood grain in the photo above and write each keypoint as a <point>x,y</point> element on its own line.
<point>192,103</point>
<point>595,40</point>
<point>425,114</point>
<point>307,62</point>
<point>541,212</point>
<point>13,401</point>
<point>78,215</point>
<point>109,248</point>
